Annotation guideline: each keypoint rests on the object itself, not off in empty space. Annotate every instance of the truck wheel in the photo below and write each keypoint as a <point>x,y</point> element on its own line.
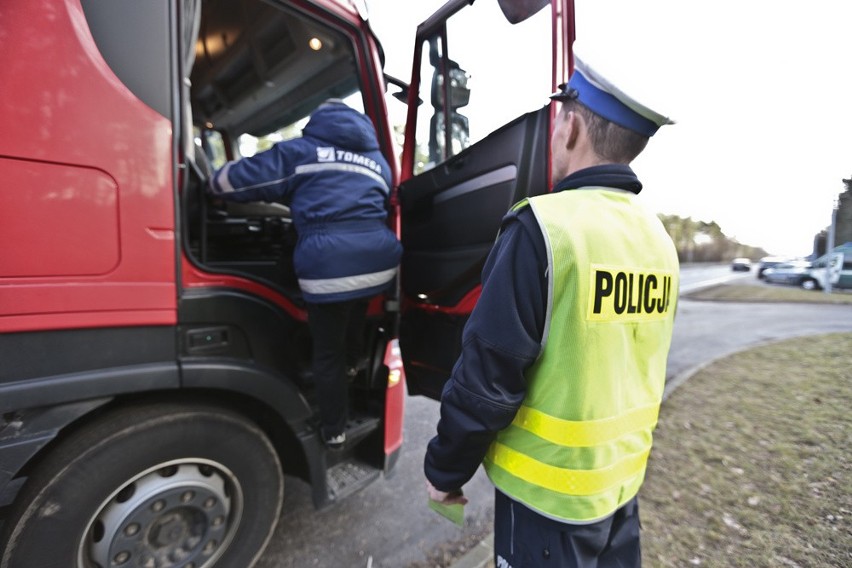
<point>156,486</point>
<point>809,284</point>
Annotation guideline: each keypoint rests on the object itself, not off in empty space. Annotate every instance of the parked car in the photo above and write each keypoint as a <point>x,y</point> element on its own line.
<point>794,273</point>
<point>834,267</point>
<point>741,265</point>
<point>770,262</point>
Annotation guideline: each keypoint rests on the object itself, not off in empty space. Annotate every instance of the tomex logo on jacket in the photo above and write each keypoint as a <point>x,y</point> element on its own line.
<point>325,154</point>
<point>328,154</point>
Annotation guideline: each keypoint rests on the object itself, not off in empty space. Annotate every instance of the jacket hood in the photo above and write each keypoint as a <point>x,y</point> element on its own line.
<point>341,126</point>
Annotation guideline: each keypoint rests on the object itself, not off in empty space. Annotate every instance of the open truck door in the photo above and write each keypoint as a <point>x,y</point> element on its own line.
<point>477,141</point>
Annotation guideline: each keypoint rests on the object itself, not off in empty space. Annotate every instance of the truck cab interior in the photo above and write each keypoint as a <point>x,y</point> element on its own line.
<point>253,74</point>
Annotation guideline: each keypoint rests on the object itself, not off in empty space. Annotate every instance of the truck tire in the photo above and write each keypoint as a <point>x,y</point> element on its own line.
<point>170,485</point>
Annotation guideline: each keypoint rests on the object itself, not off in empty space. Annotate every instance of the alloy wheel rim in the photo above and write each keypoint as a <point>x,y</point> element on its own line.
<point>178,514</point>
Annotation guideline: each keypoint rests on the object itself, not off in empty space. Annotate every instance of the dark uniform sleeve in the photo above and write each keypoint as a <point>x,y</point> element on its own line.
<point>501,339</point>
<point>262,177</point>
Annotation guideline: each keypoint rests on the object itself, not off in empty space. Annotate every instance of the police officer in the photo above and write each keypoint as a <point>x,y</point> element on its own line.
<point>336,182</point>
<point>562,370</point>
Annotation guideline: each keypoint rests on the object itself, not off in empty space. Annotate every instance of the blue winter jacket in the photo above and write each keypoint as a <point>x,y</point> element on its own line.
<point>336,182</point>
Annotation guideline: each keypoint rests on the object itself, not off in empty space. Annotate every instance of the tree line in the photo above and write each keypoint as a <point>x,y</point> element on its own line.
<point>700,241</point>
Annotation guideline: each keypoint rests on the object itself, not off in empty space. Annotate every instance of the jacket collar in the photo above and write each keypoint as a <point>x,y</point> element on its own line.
<point>617,176</point>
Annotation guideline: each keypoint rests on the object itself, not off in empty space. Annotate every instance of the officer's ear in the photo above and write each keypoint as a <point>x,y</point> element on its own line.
<point>572,128</point>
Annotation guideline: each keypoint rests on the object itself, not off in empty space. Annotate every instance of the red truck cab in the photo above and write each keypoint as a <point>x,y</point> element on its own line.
<point>155,382</point>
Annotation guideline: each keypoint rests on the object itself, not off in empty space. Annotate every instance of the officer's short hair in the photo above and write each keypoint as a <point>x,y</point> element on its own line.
<point>610,141</point>
<point>619,125</point>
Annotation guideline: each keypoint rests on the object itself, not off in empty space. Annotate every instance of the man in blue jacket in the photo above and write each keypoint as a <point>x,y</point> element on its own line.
<point>336,182</point>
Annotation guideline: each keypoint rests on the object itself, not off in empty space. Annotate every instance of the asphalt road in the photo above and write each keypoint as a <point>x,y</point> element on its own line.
<point>388,524</point>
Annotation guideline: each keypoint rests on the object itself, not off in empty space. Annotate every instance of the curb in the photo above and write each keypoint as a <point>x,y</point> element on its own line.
<point>479,556</point>
<point>684,376</point>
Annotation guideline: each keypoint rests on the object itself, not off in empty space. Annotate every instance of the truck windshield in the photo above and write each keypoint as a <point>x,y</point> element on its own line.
<point>249,145</point>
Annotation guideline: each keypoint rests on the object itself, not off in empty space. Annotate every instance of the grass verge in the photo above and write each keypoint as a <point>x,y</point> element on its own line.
<point>751,463</point>
<point>767,293</point>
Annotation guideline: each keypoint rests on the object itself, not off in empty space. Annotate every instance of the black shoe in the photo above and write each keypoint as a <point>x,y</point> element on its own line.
<point>335,442</point>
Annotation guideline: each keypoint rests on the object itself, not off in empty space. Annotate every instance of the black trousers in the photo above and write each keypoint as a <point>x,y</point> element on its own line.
<point>523,538</point>
<point>337,330</point>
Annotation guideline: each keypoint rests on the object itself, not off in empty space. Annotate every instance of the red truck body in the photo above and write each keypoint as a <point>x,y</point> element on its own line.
<point>156,338</point>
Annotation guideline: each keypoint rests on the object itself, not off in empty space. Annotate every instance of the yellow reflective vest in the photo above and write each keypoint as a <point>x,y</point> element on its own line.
<point>578,447</point>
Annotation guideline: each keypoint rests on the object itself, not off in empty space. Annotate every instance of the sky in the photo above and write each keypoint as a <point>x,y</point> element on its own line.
<point>761,91</point>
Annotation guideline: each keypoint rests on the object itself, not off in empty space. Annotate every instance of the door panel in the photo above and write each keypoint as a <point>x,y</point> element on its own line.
<point>451,214</point>
<point>450,218</point>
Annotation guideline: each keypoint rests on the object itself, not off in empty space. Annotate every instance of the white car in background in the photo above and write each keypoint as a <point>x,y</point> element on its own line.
<point>770,262</point>
<point>793,273</point>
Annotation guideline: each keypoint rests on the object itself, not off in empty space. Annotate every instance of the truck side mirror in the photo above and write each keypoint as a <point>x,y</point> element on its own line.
<point>519,10</point>
<point>459,96</point>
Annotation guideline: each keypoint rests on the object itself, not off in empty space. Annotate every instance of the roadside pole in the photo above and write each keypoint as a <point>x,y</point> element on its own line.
<point>830,247</point>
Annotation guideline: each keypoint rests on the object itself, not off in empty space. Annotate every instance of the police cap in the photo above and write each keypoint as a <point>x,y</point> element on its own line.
<point>603,98</point>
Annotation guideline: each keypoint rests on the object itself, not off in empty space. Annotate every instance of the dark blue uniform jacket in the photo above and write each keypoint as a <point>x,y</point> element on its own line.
<point>336,182</point>
<point>501,340</point>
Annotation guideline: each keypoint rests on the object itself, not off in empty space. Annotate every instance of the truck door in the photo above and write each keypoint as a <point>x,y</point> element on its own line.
<point>476,142</point>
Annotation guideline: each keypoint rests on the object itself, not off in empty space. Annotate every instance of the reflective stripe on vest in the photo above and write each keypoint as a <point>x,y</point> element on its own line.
<point>564,480</point>
<point>588,432</point>
<point>578,447</point>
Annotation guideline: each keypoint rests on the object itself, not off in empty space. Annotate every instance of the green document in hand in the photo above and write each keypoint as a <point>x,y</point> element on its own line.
<point>454,512</point>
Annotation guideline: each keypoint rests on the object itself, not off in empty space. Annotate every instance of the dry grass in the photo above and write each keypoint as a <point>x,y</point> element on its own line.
<point>751,463</point>
<point>767,293</point>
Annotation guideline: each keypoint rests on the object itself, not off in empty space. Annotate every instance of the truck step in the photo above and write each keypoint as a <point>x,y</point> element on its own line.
<point>348,477</point>
<point>359,427</point>
<point>338,473</point>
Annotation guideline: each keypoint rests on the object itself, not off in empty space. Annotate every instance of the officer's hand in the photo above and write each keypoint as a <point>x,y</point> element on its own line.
<point>445,498</point>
